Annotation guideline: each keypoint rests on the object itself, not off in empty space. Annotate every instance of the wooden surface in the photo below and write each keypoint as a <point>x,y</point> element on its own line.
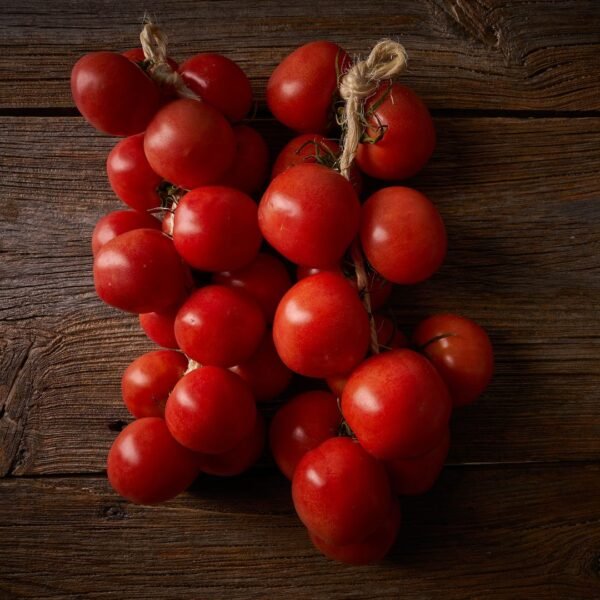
<point>515,88</point>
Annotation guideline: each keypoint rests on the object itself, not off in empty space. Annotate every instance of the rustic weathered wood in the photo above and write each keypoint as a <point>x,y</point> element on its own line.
<point>487,54</point>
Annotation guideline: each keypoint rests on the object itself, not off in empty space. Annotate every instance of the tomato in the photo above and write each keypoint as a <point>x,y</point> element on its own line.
<point>310,214</point>
<point>140,271</point>
<point>340,492</point>
<point>147,466</point>
<point>396,404</point>
<point>321,328</point>
<point>113,94</point>
<point>301,425</point>
<point>303,87</point>
<point>219,326</point>
<point>402,234</point>
<point>130,175</point>
<point>370,550</point>
<point>189,143</point>
<point>220,82</point>
<point>462,353</point>
<point>210,410</point>
<point>160,327</point>
<point>408,135</point>
<point>266,279</point>
<point>415,475</point>
<point>264,372</point>
<point>148,381</point>
<point>120,221</point>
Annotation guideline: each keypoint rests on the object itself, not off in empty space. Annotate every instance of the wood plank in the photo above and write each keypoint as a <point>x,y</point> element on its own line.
<point>494,533</point>
<point>520,200</point>
<point>468,55</point>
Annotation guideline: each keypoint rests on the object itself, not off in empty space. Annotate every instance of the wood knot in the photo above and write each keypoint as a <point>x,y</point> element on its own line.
<point>114,513</point>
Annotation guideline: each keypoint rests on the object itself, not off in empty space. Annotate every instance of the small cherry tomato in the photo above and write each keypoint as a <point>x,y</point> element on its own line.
<point>120,221</point>
<point>160,327</point>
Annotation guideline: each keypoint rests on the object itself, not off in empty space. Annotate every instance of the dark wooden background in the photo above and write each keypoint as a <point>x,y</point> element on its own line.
<point>515,92</point>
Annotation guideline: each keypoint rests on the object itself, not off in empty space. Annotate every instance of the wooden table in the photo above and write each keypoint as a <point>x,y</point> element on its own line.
<point>515,91</point>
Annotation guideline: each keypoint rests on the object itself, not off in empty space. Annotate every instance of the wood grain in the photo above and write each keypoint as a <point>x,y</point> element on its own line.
<point>484,54</point>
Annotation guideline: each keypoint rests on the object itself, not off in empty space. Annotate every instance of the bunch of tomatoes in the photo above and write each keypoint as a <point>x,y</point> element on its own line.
<point>245,296</point>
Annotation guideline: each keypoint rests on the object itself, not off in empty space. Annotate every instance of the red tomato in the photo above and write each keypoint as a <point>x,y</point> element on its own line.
<point>216,229</point>
<point>219,326</point>
<point>113,94</point>
<point>147,466</point>
<point>396,404</point>
<point>219,82</point>
<point>189,143</point>
<point>416,475</point>
<point>370,550</point>
<point>310,214</point>
<point>120,221</point>
<point>408,134</point>
<point>130,175</point>
<point>321,328</point>
<point>148,381</point>
<point>402,234</point>
<point>210,410</point>
<point>140,272</point>
<point>462,353</point>
<point>266,279</point>
<point>264,372</point>
<point>301,425</point>
<point>341,493</point>
<point>137,55</point>
<point>160,327</point>
<point>302,89</point>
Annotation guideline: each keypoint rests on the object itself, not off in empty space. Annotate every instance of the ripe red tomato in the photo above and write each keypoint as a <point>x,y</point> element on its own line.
<point>160,327</point>
<point>147,466</point>
<point>341,493</point>
<point>148,381</point>
<point>301,425</point>
<point>402,234</point>
<point>140,271</point>
<point>396,404</point>
<point>220,82</point>
<point>310,214</point>
<point>408,136</point>
<point>210,410</point>
<point>120,221</point>
<point>216,229</point>
<point>113,94</point>
<point>266,279</point>
<point>189,143</point>
<point>462,353</point>
<point>302,89</point>
<point>321,328</point>
<point>130,175</point>
<point>219,326</point>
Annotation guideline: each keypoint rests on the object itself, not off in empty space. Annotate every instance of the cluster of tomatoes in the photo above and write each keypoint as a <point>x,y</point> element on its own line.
<point>243,295</point>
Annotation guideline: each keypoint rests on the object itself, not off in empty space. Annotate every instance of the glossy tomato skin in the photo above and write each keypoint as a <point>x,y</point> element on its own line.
<point>402,235</point>
<point>113,94</point>
<point>396,404</point>
<point>321,328</point>
<point>220,82</point>
<point>117,222</point>
<point>219,326</point>
<point>464,357</point>
<point>148,381</point>
<point>370,550</point>
<point>130,175</point>
<point>210,410</point>
<point>300,425</point>
<point>140,271</point>
<point>310,214</point>
<point>189,143</point>
<point>216,229</point>
<point>265,279</point>
<point>340,492</point>
<point>408,138</point>
<point>147,466</point>
<point>302,89</point>
<point>160,327</point>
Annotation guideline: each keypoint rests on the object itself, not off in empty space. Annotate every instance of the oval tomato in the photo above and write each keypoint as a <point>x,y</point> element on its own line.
<point>118,222</point>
